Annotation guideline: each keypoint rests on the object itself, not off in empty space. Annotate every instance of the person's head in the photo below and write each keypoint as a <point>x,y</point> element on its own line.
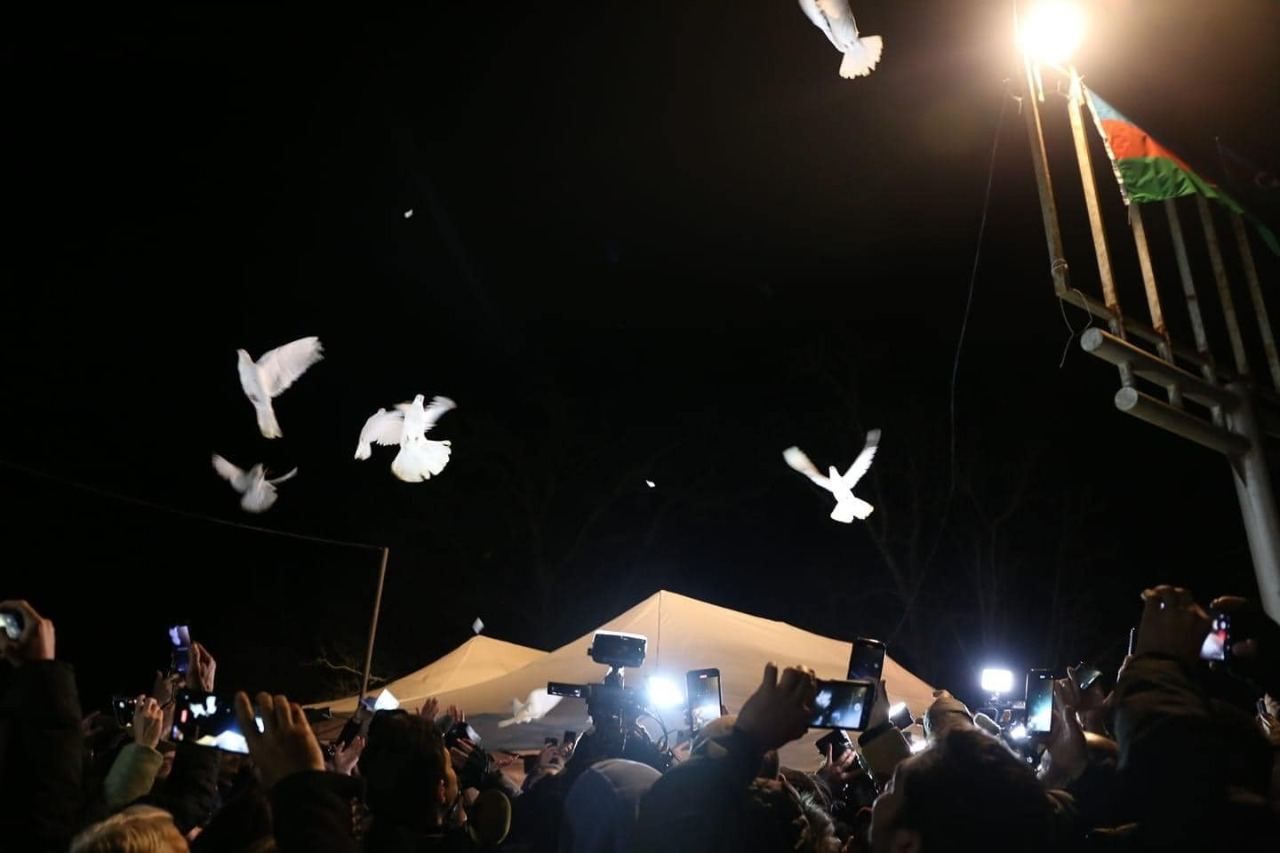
<point>137,829</point>
<point>966,792</point>
<point>409,777</point>
<point>782,819</point>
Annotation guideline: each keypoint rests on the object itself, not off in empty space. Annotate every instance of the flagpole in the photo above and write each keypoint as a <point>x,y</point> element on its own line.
<point>1224,287</point>
<point>1189,289</point>
<point>1109,296</point>
<point>1259,303</point>
<point>1165,347</point>
<point>373,627</point>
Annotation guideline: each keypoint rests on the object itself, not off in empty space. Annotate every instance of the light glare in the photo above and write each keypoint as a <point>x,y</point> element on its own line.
<point>386,701</point>
<point>1053,31</point>
<point>1018,732</point>
<point>997,680</point>
<point>664,693</point>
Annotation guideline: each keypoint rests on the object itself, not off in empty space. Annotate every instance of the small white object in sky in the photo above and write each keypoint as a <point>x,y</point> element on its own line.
<point>477,626</point>
<point>537,706</point>
<point>841,485</point>
<point>835,19</point>
<point>649,483</point>
<point>272,374</point>
<point>419,458</point>
<point>258,493</point>
<point>408,213</point>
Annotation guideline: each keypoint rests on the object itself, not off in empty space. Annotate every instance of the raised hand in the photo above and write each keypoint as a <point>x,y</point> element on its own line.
<point>286,745</point>
<point>346,757</point>
<point>37,640</point>
<point>1172,624</point>
<point>779,711</point>
<point>148,722</point>
<point>201,670</point>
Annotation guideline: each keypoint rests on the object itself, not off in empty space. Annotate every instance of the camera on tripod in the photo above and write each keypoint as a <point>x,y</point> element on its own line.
<point>615,708</point>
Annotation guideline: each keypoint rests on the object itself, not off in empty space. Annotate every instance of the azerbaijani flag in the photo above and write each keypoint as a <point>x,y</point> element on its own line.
<point>1147,171</point>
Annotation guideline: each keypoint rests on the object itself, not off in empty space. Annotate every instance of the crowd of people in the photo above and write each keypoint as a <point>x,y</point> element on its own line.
<point>1176,755</point>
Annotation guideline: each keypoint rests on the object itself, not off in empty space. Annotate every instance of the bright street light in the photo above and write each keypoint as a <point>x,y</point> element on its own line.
<point>1052,31</point>
<point>664,693</point>
<point>997,680</point>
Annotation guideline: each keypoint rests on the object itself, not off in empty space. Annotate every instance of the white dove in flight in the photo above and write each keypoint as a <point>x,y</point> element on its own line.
<point>537,706</point>
<point>847,506</point>
<point>420,458</point>
<point>257,492</point>
<point>835,19</point>
<point>272,374</point>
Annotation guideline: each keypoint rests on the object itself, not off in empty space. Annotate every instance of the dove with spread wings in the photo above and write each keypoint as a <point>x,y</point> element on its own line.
<point>840,485</point>
<point>270,375</point>
<point>420,458</point>
<point>257,492</point>
<point>835,19</point>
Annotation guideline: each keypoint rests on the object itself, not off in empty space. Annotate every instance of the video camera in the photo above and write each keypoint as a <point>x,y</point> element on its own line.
<point>615,708</point>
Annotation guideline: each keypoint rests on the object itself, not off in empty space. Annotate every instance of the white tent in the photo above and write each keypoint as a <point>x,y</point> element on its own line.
<point>683,634</point>
<point>479,659</point>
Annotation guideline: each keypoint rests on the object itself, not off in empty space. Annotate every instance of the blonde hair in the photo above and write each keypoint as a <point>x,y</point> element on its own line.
<point>137,829</point>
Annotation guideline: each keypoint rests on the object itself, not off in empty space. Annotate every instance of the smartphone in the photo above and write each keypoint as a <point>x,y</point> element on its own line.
<point>207,719</point>
<point>1217,643</point>
<point>900,716</point>
<point>550,741</point>
<point>702,687</point>
<point>837,741</point>
<point>1086,675</point>
<point>866,660</point>
<point>842,704</point>
<point>1039,701</point>
<point>123,707</point>
<point>180,637</point>
<point>461,731</point>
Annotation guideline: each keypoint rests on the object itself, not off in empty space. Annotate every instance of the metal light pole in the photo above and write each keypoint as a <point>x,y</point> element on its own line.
<point>1232,427</point>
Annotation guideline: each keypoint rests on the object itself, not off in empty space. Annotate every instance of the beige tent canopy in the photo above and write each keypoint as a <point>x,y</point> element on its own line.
<point>478,659</point>
<point>684,633</point>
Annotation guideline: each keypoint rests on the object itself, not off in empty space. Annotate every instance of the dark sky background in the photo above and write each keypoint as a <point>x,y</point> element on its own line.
<point>659,241</point>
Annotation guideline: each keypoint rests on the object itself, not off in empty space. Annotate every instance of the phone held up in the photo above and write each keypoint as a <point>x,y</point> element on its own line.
<point>866,660</point>
<point>702,687</point>
<point>842,704</point>
<point>1039,701</point>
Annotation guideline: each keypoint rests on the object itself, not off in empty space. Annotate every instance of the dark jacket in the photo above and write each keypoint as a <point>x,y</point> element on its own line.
<point>703,805</point>
<point>41,757</point>
<point>1176,759</point>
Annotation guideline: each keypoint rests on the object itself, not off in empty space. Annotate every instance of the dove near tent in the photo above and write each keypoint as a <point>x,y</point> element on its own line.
<point>257,492</point>
<point>848,507</point>
<point>538,704</point>
<point>477,626</point>
<point>407,425</point>
<point>835,19</point>
<point>269,377</point>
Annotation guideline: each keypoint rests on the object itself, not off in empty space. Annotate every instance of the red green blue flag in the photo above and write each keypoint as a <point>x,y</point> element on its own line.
<point>1147,171</point>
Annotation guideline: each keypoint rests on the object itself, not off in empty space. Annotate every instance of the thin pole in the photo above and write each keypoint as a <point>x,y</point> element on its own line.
<point>1044,184</point>
<point>1189,288</point>
<point>1109,296</point>
<point>1259,303</point>
<point>1153,295</point>
<point>1224,287</point>
<point>373,626</point>
<point>1257,502</point>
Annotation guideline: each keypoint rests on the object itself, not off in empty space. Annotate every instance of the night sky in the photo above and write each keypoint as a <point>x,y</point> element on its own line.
<point>649,241</point>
